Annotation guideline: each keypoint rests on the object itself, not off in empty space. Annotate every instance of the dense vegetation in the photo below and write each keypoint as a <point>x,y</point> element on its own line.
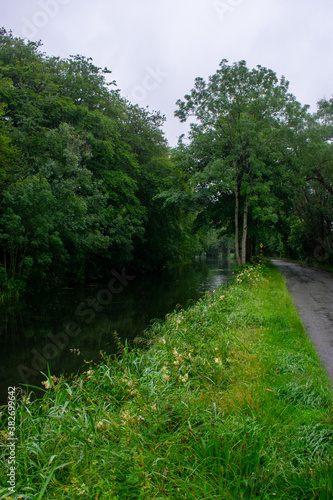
<point>259,166</point>
<point>88,182</point>
<point>80,168</point>
<point>229,402</point>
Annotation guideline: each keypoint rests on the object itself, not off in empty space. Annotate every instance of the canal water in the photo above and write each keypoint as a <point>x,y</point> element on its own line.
<point>63,329</point>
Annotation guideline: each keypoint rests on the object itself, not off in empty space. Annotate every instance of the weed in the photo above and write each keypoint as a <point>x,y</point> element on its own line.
<point>229,401</point>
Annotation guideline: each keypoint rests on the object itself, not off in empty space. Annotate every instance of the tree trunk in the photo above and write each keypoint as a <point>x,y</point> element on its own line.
<point>322,181</point>
<point>244,237</point>
<point>236,225</point>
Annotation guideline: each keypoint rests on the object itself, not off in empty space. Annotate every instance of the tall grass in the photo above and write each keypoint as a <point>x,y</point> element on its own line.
<point>229,402</point>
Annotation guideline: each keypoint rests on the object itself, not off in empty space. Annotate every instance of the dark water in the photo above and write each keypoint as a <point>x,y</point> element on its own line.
<point>65,328</point>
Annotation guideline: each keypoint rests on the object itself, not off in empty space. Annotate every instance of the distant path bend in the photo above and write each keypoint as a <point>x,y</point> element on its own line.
<point>312,291</point>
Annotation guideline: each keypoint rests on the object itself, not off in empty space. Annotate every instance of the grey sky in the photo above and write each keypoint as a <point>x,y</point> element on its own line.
<point>155,48</point>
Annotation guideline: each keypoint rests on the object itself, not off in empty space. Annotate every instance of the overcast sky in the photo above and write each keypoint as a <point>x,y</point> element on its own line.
<point>156,48</point>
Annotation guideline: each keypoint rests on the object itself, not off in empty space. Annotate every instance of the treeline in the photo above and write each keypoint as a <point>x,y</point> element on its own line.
<point>80,171</point>
<point>88,182</point>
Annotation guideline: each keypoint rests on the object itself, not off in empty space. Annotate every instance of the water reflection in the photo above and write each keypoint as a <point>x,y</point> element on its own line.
<point>52,328</point>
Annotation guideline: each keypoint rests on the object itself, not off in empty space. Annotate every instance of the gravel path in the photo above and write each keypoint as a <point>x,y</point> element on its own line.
<point>312,291</point>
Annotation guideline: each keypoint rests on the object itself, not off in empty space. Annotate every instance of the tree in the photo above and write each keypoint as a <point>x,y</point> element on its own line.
<point>239,142</point>
<point>81,169</point>
<point>311,222</point>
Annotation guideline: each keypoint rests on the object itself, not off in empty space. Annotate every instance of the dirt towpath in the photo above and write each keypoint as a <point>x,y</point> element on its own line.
<point>312,291</point>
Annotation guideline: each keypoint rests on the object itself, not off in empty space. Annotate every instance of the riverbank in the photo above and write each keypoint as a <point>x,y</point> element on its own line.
<point>229,401</point>
<point>33,329</point>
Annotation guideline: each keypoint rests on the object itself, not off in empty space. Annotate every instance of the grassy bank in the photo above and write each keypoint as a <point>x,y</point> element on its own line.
<point>229,402</point>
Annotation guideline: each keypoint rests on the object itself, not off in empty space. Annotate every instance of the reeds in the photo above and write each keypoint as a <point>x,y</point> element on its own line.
<point>229,402</point>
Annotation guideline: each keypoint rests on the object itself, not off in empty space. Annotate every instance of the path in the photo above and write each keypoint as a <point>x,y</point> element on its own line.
<point>312,291</point>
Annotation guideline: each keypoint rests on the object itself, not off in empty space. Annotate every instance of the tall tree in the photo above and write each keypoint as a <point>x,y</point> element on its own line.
<point>239,141</point>
<point>81,169</point>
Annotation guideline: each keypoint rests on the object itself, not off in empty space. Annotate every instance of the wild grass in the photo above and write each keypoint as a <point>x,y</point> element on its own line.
<point>229,402</point>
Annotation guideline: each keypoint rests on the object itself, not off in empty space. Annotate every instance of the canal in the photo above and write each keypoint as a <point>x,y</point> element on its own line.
<point>65,328</point>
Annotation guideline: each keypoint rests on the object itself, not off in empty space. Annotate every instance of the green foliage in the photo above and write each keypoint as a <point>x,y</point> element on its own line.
<point>304,229</point>
<point>260,166</point>
<point>87,181</point>
<point>311,234</point>
<point>80,168</point>
<point>239,159</point>
<point>229,401</point>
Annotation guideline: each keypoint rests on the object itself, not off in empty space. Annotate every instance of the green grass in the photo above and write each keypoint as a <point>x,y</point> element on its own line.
<point>229,402</point>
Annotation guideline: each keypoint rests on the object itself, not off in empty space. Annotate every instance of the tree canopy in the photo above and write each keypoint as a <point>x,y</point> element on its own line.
<point>250,148</point>
<point>88,182</point>
<point>80,171</point>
